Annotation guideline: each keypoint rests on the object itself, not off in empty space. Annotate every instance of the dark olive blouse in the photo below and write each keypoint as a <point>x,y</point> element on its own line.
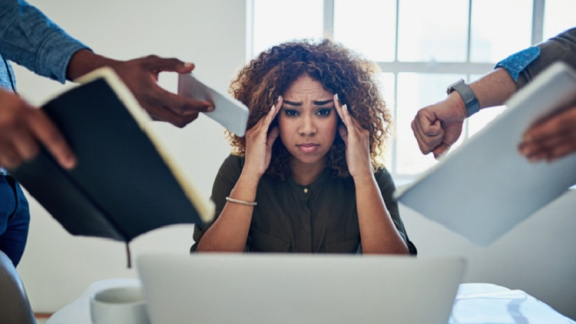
<point>318,218</point>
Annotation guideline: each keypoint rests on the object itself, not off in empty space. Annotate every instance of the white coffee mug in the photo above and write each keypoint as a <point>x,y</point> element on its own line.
<point>120,305</point>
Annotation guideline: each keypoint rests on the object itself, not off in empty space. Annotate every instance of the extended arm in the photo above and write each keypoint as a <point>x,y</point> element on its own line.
<point>32,40</point>
<point>438,126</point>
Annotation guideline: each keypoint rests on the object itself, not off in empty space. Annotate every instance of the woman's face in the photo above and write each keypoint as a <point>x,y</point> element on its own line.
<point>308,120</point>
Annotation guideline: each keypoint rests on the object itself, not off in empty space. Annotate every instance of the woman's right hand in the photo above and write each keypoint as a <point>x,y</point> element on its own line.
<point>259,143</point>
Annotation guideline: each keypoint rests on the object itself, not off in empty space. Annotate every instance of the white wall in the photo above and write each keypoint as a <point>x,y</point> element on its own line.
<point>538,256</point>
<point>56,266</point>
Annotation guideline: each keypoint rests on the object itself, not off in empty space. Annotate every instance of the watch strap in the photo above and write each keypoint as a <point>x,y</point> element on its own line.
<point>468,96</point>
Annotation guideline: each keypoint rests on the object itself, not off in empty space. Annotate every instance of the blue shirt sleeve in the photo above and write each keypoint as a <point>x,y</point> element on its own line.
<point>30,39</point>
<point>517,62</point>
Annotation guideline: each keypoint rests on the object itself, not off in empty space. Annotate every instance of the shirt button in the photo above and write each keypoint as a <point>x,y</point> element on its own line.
<point>305,190</point>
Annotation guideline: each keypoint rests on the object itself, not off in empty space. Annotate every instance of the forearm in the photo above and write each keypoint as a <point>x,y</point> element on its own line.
<point>494,88</point>
<point>85,61</point>
<point>32,40</point>
<point>377,231</point>
<point>230,231</point>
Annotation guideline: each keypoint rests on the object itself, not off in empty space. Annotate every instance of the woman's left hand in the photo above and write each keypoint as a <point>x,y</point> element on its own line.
<point>357,140</point>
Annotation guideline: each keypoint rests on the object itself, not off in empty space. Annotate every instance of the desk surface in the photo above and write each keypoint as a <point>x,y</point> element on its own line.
<point>474,303</point>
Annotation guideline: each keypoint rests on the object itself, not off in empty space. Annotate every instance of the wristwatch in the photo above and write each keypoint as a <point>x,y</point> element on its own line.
<point>470,100</point>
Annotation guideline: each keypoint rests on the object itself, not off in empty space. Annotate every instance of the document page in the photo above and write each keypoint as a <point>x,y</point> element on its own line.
<point>485,187</point>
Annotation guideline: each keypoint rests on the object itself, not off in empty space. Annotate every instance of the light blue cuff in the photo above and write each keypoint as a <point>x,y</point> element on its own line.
<point>517,62</point>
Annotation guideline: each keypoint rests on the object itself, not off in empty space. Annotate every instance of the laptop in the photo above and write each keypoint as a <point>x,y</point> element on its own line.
<point>221,288</point>
<point>485,187</point>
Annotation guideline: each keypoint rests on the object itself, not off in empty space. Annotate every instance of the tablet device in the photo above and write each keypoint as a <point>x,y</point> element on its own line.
<point>229,112</point>
<point>485,187</point>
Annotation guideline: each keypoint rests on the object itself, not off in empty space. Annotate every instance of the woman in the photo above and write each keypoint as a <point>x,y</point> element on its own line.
<point>306,177</point>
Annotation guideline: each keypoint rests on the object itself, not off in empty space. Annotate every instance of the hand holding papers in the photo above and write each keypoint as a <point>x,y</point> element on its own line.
<point>485,187</point>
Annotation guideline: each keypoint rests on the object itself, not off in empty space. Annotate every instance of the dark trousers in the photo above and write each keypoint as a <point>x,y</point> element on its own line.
<point>14,219</point>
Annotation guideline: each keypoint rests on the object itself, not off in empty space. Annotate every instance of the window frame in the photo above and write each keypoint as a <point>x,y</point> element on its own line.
<point>395,67</point>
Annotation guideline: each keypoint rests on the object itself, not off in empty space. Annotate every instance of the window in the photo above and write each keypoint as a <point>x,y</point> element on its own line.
<point>420,46</point>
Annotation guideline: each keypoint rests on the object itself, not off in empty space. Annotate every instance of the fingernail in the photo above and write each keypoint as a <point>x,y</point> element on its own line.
<point>210,108</point>
<point>279,97</point>
<point>188,64</point>
<point>345,107</point>
<point>336,97</point>
<point>272,108</point>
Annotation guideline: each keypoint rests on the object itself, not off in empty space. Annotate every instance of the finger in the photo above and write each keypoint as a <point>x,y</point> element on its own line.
<point>178,104</point>
<point>263,123</point>
<point>421,144</point>
<point>548,143</point>
<point>441,150</point>
<point>561,151</point>
<point>269,117</point>
<point>158,64</point>
<point>176,119</point>
<point>343,134</point>
<point>9,158</point>
<point>562,123</point>
<point>47,133</point>
<point>426,143</point>
<point>272,136</point>
<point>338,107</point>
<point>431,133</point>
<point>346,120</point>
<point>167,115</point>
<point>428,131</point>
<point>355,123</point>
<point>25,144</point>
<point>434,140</point>
<point>279,103</point>
<point>427,123</point>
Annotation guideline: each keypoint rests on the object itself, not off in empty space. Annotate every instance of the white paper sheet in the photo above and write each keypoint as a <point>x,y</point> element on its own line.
<point>485,187</point>
<point>228,111</point>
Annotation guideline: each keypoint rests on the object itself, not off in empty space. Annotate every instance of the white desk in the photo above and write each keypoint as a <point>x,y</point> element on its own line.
<point>476,303</point>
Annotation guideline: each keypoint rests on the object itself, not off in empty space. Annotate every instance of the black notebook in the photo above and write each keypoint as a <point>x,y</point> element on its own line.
<point>125,183</point>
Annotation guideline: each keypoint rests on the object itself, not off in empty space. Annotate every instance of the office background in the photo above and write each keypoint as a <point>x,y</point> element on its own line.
<point>538,256</point>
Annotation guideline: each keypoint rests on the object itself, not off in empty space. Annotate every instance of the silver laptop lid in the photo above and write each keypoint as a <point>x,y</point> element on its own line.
<point>295,288</point>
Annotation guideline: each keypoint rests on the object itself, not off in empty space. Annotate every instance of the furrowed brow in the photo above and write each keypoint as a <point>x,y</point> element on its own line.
<point>292,103</point>
<point>323,102</point>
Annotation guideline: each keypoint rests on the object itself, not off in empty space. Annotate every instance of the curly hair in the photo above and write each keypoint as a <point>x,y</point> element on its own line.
<point>339,70</point>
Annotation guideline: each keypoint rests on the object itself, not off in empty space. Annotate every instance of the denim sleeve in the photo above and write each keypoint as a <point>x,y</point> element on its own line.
<point>517,62</point>
<point>525,65</point>
<point>30,39</point>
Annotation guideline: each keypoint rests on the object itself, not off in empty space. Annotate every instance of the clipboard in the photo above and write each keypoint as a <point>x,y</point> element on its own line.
<point>484,188</point>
